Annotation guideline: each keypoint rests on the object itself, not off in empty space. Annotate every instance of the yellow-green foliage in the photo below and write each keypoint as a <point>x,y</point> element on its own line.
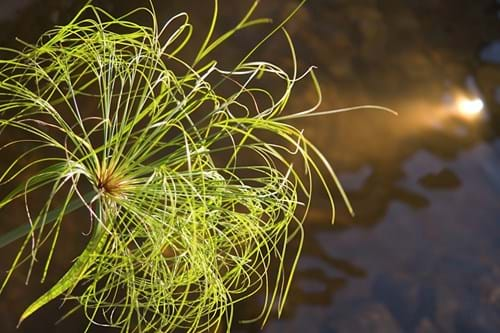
<point>190,192</point>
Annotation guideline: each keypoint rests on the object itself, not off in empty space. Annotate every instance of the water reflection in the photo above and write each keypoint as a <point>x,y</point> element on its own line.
<point>470,107</point>
<point>491,52</point>
<point>431,270</point>
<point>421,255</point>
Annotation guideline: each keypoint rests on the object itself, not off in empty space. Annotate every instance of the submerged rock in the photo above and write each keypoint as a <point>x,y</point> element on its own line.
<point>444,179</point>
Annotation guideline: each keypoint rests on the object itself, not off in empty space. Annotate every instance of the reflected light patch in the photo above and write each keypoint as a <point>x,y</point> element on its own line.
<point>470,107</point>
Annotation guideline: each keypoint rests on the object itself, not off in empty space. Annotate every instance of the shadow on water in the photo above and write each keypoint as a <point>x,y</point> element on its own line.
<point>421,253</point>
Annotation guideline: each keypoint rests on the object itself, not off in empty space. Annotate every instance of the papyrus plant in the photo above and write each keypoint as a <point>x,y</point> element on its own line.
<point>184,170</point>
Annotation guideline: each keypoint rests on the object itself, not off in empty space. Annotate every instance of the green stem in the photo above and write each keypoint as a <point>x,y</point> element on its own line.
<point>73,275</point>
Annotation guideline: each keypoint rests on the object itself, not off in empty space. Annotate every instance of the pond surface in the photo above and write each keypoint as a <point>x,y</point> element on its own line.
<point>422,253</point>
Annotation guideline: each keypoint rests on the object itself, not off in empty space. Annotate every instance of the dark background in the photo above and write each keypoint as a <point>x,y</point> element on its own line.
<point>422,253</point>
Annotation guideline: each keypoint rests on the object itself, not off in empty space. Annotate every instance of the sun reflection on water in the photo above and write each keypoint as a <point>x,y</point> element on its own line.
<point>469,107</point>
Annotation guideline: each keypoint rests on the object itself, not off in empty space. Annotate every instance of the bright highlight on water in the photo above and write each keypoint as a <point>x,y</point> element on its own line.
<point>470,107</point>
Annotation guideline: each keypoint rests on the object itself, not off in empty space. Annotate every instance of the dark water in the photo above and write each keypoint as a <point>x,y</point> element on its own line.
<point>423,252</point>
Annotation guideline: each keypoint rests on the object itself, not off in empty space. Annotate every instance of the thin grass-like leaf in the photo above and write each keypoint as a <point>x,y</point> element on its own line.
<point>194,192</point>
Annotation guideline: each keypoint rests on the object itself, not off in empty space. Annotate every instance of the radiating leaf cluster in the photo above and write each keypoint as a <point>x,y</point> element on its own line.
<point>184,169</point>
